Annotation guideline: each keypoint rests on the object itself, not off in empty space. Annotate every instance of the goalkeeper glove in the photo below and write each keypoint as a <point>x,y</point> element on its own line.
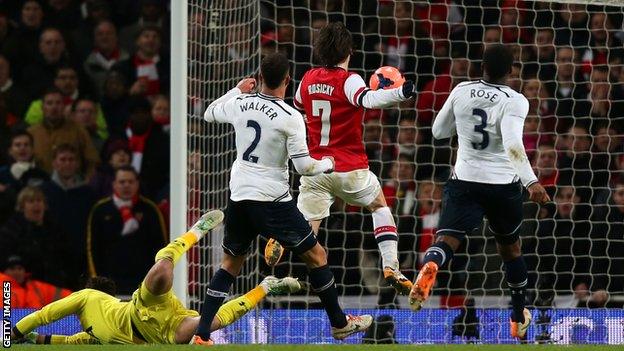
<point>408,89</point>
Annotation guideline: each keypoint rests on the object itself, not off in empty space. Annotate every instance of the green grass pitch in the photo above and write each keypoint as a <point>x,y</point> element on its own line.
<point>325,347</point>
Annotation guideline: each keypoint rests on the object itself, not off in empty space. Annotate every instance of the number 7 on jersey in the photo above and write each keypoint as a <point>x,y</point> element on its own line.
<point>322,108</point>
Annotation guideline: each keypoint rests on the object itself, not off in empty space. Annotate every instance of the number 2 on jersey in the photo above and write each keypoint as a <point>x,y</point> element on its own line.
<point>322,108</point>
<point>247,156</point>
<point>481,129</point>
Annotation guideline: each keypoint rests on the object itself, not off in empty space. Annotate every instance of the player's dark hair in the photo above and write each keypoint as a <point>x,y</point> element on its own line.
<point>274,69</point>
<point>497,61</point>
<point>103,284</point>
<point>333,44</point>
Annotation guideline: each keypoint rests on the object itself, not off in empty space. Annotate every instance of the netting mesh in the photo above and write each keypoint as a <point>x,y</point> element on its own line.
<point>568,63</point>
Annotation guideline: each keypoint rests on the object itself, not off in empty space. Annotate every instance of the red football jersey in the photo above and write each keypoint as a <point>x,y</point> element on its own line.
<point>331,98</point>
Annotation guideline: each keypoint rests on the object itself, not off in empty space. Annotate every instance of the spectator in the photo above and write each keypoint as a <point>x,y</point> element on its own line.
<point>85,113</point>
<point>62,14</point>
<point>152,14</point>
<point>400,188</point>
<point>563,244</point>
<point>410,144</point>
<point>55,129</point>
<point>32,234</point>
<point>21,46</point>
<point>21,172</point>
<point>435,92</point>
<point>606,149</point>
<point>27,292</point>
<point>124,233</point>
<point>160,112</point>
<point>571,25</point>
<point>545,167</point>
<point>7,122</point>
<point>52,54</point>
<point>376,143</point>
<point>106,53</point>
<point>599,102</point>
<point>565,89</point>
<point>117,155</point>
<point>544,66</point>
<point>428,207</point>
<point>15,97</point>
<point>115,103</point>
<point>540,106</point>
<point>81,38</point>
<point>150,149</point>
<point>69,199</point>
<point>607,250</point>
<point>66,81</point>
<point>574,163</point>
<point>512,22</point>
<point>147,71</point>
<point>603,45</point>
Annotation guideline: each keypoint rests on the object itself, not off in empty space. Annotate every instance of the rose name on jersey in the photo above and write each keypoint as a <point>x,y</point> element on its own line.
<point>258,106</point>
<point>320,89</point>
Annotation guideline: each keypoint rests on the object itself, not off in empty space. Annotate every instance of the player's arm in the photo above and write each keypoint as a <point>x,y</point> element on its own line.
<point>298,149</point>
<point>444,123</point>
<point>223,109</point>
<point>360,95</point>
<point>512,126</point>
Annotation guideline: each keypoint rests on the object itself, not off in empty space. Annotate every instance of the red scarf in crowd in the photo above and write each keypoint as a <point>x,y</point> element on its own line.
<point>130,223</point>
<point>147,71</point>
<point>136,143</point>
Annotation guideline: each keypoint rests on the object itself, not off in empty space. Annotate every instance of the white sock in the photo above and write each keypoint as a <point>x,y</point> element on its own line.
<point>386,237</point>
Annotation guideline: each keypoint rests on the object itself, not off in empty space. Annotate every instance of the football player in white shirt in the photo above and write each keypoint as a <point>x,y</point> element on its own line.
<point>490,174</point>
<point>268,133</point>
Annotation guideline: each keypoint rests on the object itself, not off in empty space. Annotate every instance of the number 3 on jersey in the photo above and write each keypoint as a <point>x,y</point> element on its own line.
<point>481,129</point>
<point>322,108</point>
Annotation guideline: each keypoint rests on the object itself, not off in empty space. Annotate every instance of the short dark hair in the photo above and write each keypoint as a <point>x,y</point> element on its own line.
<point>497,61</point>
<point>333,44</point>
<point>103,284</point>
<point>274,69</point>
<point>126,168</point>
<point>63,148</point>
<point>49,91</point>
<point>21,132</point>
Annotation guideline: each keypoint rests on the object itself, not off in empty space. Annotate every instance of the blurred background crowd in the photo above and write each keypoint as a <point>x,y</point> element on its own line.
<point>84,137</point>
<point>84,140</point>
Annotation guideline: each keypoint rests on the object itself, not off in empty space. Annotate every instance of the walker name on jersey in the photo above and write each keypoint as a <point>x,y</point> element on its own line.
<point>320,89</point>
<point>479,93</point>
<point>259,106</point>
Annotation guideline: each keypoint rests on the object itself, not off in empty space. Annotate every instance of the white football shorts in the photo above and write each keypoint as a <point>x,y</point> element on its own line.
<point>317,193</point>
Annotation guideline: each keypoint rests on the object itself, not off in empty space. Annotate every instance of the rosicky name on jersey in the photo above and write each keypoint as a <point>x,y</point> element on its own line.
<point>269,111</point>
<point>320,89</point>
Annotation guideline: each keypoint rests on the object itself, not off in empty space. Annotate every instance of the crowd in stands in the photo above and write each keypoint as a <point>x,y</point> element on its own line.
<point>568,63</point>
<point>84,143</point>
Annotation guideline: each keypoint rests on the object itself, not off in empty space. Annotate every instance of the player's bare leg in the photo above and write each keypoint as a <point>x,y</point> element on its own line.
<point>387,239</point>
<point>427,275</point>
<point>159,279</point>
<point>236,308</point>
<point>516,276</point>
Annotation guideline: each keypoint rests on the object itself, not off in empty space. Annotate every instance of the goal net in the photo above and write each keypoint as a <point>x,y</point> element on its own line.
<point>568,63</point>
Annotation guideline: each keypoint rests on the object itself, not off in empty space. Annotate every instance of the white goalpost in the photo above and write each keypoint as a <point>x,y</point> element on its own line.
<point>215,43</point>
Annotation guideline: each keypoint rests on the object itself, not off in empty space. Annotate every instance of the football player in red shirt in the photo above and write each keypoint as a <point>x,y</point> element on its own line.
<point>334,101</point>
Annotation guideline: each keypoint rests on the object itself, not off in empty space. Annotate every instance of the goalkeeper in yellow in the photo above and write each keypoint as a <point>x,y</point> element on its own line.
<point>154,315</point>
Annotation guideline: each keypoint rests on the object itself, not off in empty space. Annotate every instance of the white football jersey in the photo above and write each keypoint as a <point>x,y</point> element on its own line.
<point>488,120</point>
<point>268,133</point>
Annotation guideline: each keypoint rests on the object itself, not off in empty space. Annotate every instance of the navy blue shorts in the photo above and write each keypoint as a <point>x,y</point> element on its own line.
<point>465,203</point>
<point>282,221</point>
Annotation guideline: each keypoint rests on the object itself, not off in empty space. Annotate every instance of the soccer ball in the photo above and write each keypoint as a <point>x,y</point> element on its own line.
<point>386,77</point>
